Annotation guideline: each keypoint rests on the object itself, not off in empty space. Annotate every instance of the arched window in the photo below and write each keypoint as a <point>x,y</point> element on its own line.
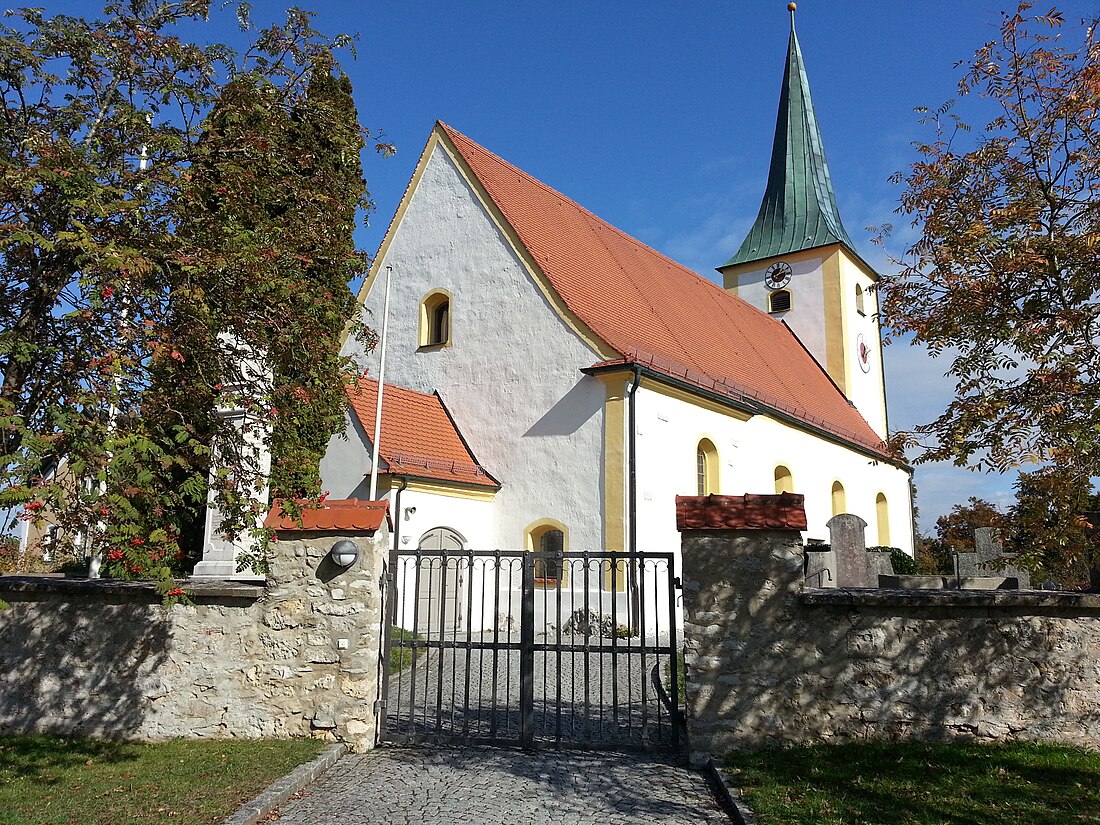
<point>784,481</point>
<point>840,500</point>
<point>435,319</point>
<point>706,468</point>
<point>882,516</point>
<point>779,301</point>
<point>859,300</point>
<point>548,539</point>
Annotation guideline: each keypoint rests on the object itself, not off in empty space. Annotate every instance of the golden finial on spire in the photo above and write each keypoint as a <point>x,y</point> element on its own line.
<point>791,7</point>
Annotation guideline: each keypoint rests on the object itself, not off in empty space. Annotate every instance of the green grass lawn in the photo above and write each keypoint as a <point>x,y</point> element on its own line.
<point>45,779</point>
<point>915,784</point>
<point>401,657</point>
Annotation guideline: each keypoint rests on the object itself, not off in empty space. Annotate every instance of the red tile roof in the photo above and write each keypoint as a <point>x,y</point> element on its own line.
<point>785,511</point>
<point>656,312</point>
<point>334,514</point>
<point>419,438</point>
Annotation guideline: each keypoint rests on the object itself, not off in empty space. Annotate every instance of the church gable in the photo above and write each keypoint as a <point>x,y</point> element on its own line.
<point>442,173</point>
<point>509,362</point>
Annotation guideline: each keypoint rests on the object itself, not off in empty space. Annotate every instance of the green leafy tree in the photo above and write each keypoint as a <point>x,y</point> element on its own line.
<point>1051,545</point>
<point>1004,279</point>
<point>136,291</point>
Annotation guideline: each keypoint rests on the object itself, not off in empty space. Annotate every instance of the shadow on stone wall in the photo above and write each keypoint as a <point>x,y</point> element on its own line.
<point>74,667</point>
<point>770,666</point>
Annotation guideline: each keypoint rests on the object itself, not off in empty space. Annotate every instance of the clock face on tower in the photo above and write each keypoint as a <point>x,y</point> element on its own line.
<point>863,354</point>
<point>778,275</point>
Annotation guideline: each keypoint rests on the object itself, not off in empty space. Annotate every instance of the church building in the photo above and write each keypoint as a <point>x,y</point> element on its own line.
<point>551,381</point>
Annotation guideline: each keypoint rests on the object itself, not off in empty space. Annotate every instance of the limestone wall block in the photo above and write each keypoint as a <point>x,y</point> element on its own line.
<point>338,608</point>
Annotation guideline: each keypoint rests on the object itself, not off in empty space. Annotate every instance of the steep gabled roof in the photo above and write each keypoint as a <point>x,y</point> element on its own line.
<point>419,438</point>
<point>799,209</point>
<point>652,310</point>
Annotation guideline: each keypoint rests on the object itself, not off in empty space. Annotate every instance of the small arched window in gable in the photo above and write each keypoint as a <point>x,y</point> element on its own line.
<point>784,481</point>
<point>840,500</point>
<point>435,319</point>
<point>882,516</point>
<point>779,301</point>
<point>706,468</point>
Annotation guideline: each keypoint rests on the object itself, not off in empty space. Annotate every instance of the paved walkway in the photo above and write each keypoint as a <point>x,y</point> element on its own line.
<point>497,786</point>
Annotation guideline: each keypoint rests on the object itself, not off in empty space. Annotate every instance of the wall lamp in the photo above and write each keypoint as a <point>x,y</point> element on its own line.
<point>344,553</point>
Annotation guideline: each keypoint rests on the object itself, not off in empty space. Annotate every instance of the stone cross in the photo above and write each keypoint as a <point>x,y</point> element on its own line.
<point>988,559</point>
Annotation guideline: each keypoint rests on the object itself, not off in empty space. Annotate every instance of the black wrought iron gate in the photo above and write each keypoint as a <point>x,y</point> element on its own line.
<point>531,648</point>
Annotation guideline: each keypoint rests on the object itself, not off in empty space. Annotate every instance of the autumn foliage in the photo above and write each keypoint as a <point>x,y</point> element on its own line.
<point>173,215</point>
<point>1004,278</point>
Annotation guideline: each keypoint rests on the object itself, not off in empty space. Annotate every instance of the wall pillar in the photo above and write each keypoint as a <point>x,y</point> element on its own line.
<point>743,570</point>
<point>326,621</point>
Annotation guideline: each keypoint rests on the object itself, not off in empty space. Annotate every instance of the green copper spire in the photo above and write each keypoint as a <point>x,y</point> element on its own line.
<point>799,209</point>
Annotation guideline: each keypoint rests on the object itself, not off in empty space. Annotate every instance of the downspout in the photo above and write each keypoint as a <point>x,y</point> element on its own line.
<point>632,506</point>
<point>397,511</point>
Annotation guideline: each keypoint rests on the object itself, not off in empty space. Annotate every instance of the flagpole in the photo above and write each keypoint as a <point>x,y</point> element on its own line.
<point>96,560</point>
<point>381,384</point>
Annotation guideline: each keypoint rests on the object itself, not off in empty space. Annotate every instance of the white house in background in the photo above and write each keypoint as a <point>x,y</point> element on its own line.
<point>597,379</point>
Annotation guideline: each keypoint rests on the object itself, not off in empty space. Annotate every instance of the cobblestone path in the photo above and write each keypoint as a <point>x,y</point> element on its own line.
<point>497,786</point>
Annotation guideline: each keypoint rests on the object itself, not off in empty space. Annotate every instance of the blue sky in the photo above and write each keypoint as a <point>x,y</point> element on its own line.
<point>659,118</point>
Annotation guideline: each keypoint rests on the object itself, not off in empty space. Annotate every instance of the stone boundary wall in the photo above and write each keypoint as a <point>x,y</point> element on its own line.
<point>297,657</point>
<point>771,664</point>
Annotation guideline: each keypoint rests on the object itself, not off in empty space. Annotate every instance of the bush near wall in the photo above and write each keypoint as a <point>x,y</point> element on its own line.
<point>904,564</point>
<point>64,559</point>
<point>9,554</point>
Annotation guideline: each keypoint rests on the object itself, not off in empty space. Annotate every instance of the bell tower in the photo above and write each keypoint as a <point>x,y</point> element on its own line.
<point>798,263</point>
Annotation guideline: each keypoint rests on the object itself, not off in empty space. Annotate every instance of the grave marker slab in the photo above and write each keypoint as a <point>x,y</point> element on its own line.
<point>846,537</point>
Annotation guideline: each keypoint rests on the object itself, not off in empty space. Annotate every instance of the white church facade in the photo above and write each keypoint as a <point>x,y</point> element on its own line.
<point>549,378</point>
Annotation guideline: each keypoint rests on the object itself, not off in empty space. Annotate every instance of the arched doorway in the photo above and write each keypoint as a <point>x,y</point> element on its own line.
<point>440,580</point>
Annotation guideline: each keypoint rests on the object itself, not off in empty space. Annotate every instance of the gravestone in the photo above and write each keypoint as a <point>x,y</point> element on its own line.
<point>820,566</point>
<point>846,537</point>
<point>880,564</point>
<point>989,560</point>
